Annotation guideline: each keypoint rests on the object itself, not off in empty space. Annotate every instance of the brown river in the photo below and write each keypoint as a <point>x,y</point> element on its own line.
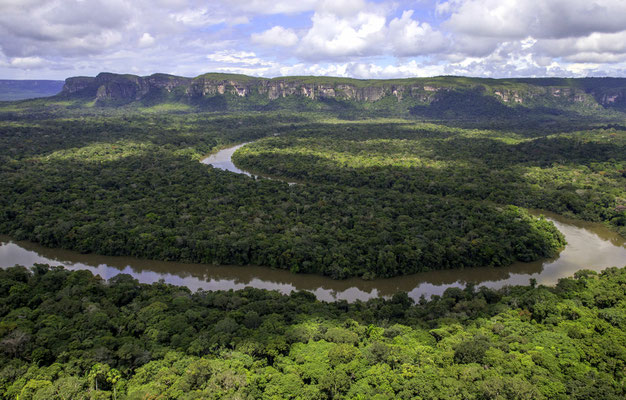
<point>590,246</point>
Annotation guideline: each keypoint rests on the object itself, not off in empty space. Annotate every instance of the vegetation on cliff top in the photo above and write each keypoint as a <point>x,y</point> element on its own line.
<point>532,97</point>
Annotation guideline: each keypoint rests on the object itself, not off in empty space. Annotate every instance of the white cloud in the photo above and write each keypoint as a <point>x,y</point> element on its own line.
<point>146,40</point>
<point>47,27</point>
<point>276,36</point>
<point>334,37</point>
<point>368,32</point>
<point>360,38</point>
<point>27,62</point>
<point>237,57</point>
<point>540,19</point>
<point>272,6</point>
<point>409,38</point>
<point>400,70</point>
<point>342,8</point>
<point>470,46</point>
<point>312,69</point>
<point>199,17</point>
<point>597,47</point>
<point>581,69</point>
<point>195,17</point>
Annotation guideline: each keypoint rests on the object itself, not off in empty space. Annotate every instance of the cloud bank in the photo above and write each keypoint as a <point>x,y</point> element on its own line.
<point>55,39</point>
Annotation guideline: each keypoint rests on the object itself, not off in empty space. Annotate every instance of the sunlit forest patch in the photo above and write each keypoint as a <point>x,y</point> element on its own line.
<point>72,335</point>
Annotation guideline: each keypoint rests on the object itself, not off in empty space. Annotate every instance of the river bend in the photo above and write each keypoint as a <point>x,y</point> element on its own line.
<point>590,246</point>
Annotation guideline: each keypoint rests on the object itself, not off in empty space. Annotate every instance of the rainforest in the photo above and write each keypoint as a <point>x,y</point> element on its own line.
<point>345,179</point>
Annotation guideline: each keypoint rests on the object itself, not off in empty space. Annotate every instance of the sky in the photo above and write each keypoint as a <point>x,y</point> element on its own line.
<point>56,39</point>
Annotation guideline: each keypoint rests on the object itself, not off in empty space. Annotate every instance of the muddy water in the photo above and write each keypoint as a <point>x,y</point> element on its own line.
<point>590,246</point>
<point>223,159</point>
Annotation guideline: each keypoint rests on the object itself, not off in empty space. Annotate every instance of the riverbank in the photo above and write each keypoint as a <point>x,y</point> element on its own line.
<point>222,159</point>
<point>590,246</point>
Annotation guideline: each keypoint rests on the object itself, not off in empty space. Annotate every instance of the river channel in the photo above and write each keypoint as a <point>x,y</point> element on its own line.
<point>590,246</point>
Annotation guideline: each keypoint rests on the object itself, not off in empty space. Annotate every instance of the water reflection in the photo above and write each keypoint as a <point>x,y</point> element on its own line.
<point>590,246</point>
<point>223,160</point>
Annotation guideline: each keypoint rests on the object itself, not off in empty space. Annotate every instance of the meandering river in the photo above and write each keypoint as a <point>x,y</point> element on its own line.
<point>223,159</point>
<point>590,246</point>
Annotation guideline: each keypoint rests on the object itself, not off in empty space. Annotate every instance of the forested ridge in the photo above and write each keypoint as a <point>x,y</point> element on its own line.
<point>119,183</point>
<point>72,335</point>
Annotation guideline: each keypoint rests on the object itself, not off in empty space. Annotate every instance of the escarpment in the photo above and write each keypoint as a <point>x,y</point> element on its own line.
<point>109,89</point>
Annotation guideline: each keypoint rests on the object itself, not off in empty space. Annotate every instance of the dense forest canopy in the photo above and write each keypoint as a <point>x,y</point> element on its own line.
<point>393,179</point>
<point>131,184</point>
<point>580,173</point>
<point>72,335</point>
<point>377,197</point>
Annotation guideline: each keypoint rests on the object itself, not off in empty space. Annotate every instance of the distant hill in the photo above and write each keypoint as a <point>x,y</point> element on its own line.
<point>441,97</point>
<point>11,90</point>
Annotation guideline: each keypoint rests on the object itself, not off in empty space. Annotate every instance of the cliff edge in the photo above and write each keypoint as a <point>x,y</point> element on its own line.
<point>226,91</point>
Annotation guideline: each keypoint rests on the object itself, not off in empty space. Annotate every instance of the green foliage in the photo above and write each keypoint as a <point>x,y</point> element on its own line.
<point>163,341</point>
<point>377,197</point>
<point>579,174</point>
<point>132,185</point>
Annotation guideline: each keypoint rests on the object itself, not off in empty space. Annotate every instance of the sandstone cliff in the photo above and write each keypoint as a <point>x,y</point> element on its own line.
<point>112,89</point>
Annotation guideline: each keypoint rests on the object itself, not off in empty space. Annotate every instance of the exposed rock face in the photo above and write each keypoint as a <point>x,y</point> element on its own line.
<point>121,88</point>
<point>116,87</point>
<point>613,97</point>
<point>509,96</point>
<point>77,84</point>
<point>107,88</point>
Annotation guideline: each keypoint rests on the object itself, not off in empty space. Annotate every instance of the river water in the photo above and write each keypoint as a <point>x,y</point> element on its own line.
<point>223,160</point>
<point>590,246</point>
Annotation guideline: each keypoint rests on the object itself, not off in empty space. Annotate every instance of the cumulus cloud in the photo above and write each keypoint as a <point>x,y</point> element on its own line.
<point>27,62</point>
<point>368,32</point>
<point>237,57</point>
<point>548,33</point>
<point>408,37</point>
<point>273,6</point>
<point>399,70</point>
<point>146,40</point>
<point>199,17</point>
<point>61,28</point>
<point>360,38</point>
<point>276,36</point>
<point>332,36</point>
<point>342,8</point>
<point>597,47</point>
<point>540,19</point>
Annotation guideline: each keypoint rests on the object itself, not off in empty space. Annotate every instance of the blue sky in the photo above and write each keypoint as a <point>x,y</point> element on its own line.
<point>55,39</point>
